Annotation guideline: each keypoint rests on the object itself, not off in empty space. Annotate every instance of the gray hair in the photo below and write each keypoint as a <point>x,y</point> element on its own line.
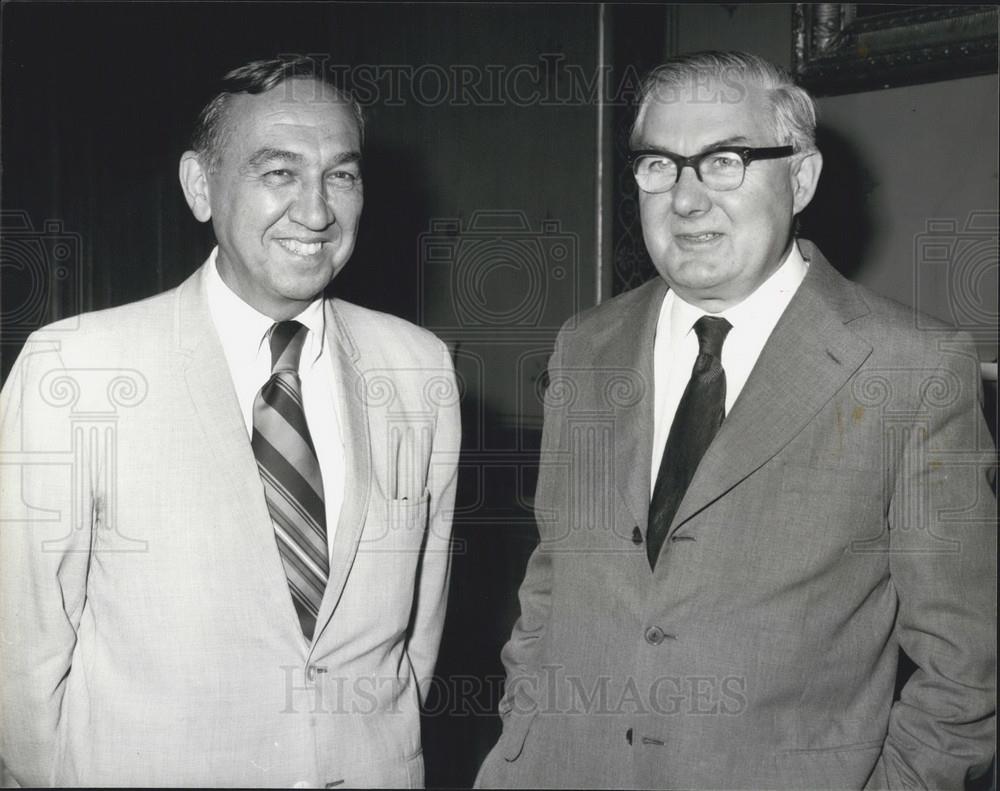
<point>794,112</point>
<point>211,130</point>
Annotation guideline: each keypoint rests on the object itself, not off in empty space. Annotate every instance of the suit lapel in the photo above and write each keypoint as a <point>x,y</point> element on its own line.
<point>809,356</point>
<point>210,386</point>
<point>353,414</point>
<point>628,346</point>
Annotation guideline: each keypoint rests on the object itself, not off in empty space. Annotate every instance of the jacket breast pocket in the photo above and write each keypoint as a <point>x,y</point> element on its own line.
<point>844,504</point>
<point>396,525</point>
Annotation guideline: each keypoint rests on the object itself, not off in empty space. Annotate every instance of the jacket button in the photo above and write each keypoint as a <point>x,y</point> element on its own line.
<point>654,635</point>
<point>636,536</point>
<point>314,670</point>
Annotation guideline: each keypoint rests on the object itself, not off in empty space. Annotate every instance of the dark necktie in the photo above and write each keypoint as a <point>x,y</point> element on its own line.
<point>698,417</point>
<point>290,471</point>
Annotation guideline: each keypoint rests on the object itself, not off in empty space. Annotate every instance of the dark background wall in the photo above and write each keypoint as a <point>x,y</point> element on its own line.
<point>496,207</point>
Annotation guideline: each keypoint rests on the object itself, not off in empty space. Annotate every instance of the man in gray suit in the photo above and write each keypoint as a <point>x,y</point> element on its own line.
<point>759,481</point>
<point>226,509</point>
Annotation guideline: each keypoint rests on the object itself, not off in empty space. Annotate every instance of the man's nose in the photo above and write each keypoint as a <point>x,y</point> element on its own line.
<point>312,208</point>
<point>690,196</point>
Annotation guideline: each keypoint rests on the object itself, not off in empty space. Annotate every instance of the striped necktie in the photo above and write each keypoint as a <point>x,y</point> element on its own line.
<point>290,472</point>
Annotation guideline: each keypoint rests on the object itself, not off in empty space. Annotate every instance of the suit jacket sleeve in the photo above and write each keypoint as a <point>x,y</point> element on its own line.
<point>942,523</point>
<point>435,564</point>
<point>45,534</point>
<point>521,655</point>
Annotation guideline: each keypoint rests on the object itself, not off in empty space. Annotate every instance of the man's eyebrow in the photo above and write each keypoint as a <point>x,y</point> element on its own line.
<point>346,157</point>
<point>264,155</point>
<point>736,140</point>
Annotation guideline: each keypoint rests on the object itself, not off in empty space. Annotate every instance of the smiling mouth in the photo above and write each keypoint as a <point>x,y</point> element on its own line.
<point>709,236</point>
<point>303,249</point>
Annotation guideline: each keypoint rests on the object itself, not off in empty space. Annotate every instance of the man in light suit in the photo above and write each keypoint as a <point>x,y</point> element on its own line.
<point>758,482</point>
<point>226,509</point>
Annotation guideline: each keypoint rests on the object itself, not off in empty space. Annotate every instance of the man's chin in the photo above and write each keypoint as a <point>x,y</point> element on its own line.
<point>686,273</point>
<point>301,288</point>
<point>305,292</point>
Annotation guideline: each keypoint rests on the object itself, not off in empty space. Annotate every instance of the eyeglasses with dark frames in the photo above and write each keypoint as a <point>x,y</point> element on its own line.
<point>722,168</point>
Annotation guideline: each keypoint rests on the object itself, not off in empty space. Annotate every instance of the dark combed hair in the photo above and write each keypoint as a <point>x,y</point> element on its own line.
<point>211,130</point>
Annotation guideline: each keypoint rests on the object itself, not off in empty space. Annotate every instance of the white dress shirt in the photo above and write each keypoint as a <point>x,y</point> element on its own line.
<point>244,334</point>
<point>675,347</point>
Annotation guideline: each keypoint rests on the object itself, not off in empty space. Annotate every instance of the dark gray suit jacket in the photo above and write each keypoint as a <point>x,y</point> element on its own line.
<point>842,512</point>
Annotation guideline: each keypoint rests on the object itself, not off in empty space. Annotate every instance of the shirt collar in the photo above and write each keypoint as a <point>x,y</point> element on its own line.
<point>766,302</point>
<point>243,329</point>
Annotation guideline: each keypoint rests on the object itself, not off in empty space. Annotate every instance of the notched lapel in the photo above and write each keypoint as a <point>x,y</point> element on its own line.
<point>353,410</point>
<point>810,355</point>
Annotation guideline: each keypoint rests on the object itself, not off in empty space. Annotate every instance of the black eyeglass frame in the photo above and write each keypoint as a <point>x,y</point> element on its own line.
<point>745,153</point>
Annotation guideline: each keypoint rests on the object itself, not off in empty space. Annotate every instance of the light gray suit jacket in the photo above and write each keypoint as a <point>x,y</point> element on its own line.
<point>842,512</point>
<point>148,635</point>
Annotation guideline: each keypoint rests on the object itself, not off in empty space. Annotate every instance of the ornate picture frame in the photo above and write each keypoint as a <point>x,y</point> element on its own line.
<point>849,47</point>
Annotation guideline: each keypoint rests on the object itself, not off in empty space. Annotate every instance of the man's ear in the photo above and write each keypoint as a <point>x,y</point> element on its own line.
<point>805,178</point>
<point>194,182</point>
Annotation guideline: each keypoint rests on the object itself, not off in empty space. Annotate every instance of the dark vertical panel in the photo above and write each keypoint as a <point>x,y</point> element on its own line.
<point>639,42</point>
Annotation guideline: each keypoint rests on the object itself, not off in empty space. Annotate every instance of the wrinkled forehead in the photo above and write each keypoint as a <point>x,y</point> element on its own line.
<point>706,108</point>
